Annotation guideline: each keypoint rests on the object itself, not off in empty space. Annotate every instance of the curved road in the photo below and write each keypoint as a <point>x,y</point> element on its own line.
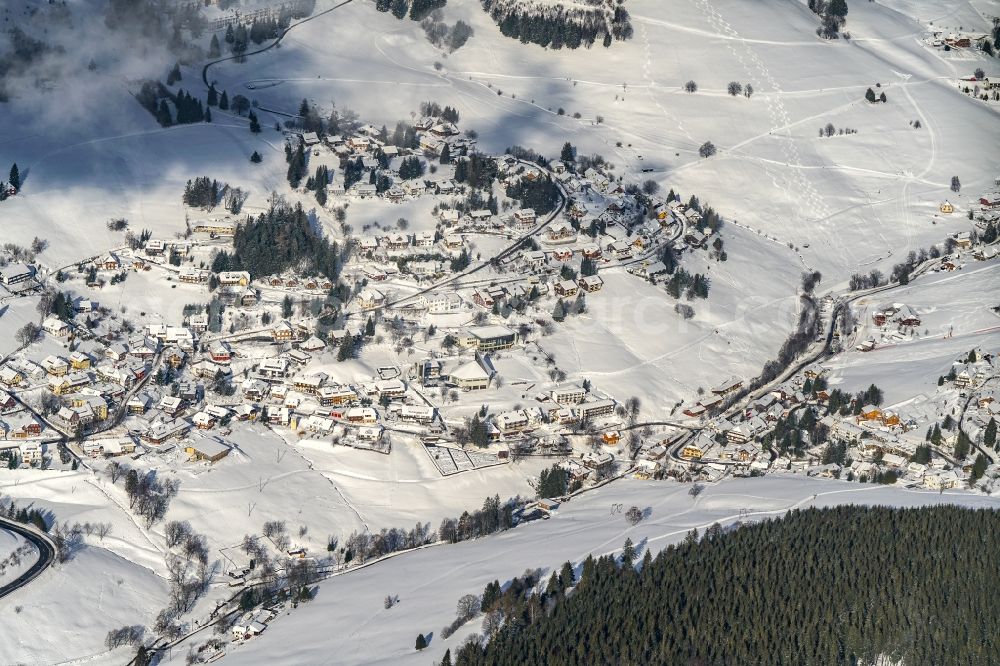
<point>204,70</point>
<point>46,550</point>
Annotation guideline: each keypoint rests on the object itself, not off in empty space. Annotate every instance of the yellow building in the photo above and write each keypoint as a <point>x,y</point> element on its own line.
<point>691,452</point>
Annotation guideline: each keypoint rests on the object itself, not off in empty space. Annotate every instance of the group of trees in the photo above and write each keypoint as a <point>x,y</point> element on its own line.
<point>476,170</point>
<point>148,496</point>
<point>202,192</point>
<point>494,516</point>
<point>833,14</point>
<point>296,159</point>
<point>735,88</point>
<point>542,195</point>
<point>688,605</point>
<point>552,482</point>
<point>444,37</point>
<point>690,286</point>
<point>411,167</point>
<point>277,240</point>
<point>318,183</point>
<point>872,98</point>
<point>806,330</point>
<point>13,183</point>
<point>215,99</point>
<point>158,100</point>
<point>363,546</point>
<point>415,9</point>
<point>556,26</point>
<point>829,130</point>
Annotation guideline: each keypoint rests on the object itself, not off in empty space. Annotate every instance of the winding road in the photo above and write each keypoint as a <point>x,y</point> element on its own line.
<point>204,70</point>
<point>46,551</point>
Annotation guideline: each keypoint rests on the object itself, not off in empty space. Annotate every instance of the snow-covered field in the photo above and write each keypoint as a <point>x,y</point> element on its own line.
<point>348,623</point>
<point>16,556</point>
<point>793,201</point>
<point>956,317</point>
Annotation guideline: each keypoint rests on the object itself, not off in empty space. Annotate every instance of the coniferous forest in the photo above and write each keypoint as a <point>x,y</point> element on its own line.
<point>556,26</point>
<point>847,585</point>
<point>277,240</point>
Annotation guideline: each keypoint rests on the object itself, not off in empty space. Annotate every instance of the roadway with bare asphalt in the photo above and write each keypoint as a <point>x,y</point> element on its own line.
<point>46,554</point>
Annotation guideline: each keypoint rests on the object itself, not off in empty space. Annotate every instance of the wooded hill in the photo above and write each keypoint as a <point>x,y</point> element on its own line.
<point>833,586</point>
<point>280,239</point>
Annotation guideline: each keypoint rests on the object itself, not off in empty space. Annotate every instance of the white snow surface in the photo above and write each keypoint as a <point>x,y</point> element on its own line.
<point>348,623</point>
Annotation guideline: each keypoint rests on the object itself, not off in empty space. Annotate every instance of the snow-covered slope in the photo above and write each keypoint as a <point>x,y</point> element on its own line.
<point>348,624</point>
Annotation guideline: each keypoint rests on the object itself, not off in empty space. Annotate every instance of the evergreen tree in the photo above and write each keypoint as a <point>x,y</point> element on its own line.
<point>837,8</point>
<point>881,98</point>
<point>990,434</point>
<point>213,96</point>
<point>566,576</point>
<point>421,642</point>
<point>446,154</point>
<point>568,153</point>
<point>224,101</point>
<point>628,553</point>
<point>15,177</point>
<point>446,661</point>
<point>163,114</point>
<point>346,349</point>
<point>559,311</point>
<point>214,50</point>
<point>870,95</point>
<point>256,158</point>
<point>254,124</point>
<point>208,115</point>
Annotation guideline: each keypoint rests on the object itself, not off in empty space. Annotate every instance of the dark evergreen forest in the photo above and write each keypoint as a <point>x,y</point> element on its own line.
<point>277,240</point>
<point>817,587</point>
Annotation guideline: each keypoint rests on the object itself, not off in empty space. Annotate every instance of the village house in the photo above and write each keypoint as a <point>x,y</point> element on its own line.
<point>620,249</point>
<point>10,376</point>
<point>488,338</point>
<point>55,366</point>
<point>234,278</point>
<point>365,415</point>
<point>192,275</point>
<point>570,394</point>
<point>282,331</point>
<point>471,376</point>
<point>560,232</point>
<point>273,369</point>
<point>730,386</point>
<point>139,403</point>
<point>310,384</point>
<point>165,430</point>
<point>443,302</point>
<point>594,409</point>
<point>69,383</point>
<point>12,274</point>
<point>55,327</point>
<point>370,299</point>
<point>206,449</point>
<point>590,283</point>
<point>524,218</point>
<point>417,414</point>
<point>203,420</point>
<point>216,227</point>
